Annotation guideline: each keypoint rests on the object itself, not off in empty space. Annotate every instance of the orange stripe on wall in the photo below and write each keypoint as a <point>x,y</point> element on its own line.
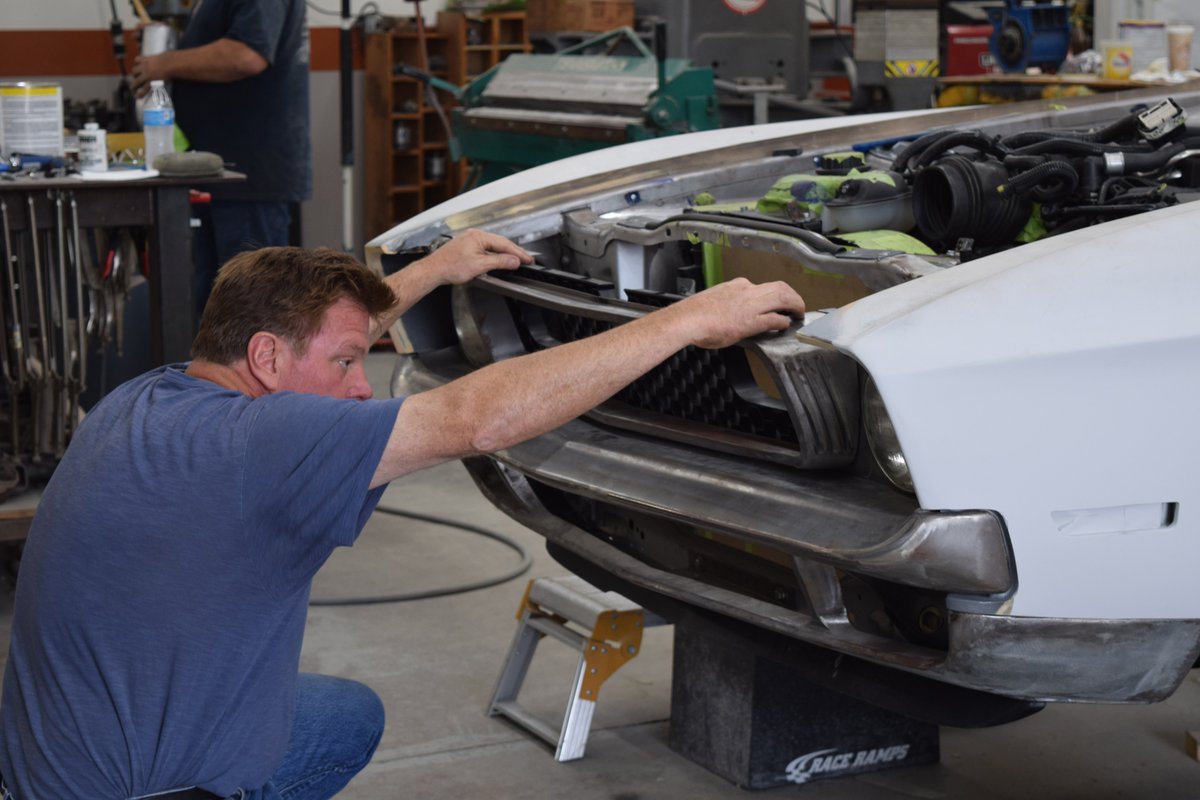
<point>41,53</point>
<point>326,49</point>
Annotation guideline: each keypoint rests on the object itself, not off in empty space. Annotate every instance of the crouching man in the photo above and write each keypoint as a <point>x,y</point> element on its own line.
<point>164,585</point>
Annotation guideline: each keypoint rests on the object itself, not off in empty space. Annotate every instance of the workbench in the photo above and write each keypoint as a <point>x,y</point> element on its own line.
<point>966,90</point>
<point>159,204</point>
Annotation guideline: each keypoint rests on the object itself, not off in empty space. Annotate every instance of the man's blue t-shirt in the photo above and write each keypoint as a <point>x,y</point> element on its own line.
<point>259,124</point>
<point>163,588</point>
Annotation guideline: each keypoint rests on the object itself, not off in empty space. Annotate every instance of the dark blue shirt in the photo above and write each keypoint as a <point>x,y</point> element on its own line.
<point>164,586</point>
<point>260,124</point>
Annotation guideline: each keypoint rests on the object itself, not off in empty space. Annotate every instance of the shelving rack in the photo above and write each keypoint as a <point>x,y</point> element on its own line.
<point>407,151</point>
<point>487,40</point>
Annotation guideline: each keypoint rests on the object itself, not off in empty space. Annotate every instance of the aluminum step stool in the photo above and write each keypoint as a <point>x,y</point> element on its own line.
<point>612,635</point>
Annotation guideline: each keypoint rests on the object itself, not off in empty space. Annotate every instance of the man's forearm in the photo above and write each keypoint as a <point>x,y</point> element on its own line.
<point>516,399</point>
<point>222,61</point>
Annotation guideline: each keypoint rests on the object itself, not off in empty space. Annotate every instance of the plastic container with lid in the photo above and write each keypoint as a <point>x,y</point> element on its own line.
<point>93,148</point>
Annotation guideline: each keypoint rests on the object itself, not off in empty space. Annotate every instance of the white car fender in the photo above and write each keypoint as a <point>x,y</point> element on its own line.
<point>1089,340</point>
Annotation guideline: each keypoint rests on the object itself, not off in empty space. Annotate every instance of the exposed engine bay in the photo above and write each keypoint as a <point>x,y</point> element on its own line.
<point>946,196</point>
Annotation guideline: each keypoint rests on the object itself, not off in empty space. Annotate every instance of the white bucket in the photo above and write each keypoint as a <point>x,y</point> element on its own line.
<point>31,118</point>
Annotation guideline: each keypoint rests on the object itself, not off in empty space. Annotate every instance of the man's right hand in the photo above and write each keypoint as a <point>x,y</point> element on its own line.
<point>146,69</point>
<point>724,314</point>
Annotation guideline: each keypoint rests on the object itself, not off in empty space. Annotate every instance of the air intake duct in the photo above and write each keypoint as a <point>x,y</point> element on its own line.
<point>957,198</point>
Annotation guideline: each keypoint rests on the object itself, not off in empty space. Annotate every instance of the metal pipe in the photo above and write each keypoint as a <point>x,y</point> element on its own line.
<point>660,53</point>
<point>346,70</point>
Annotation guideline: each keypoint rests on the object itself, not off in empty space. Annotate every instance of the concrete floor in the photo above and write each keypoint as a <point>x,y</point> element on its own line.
<point>435,663</point>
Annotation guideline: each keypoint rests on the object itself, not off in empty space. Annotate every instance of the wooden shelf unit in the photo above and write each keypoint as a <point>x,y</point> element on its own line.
<point>405,141</point>
<point>406,154</point>
<point>486,40</point>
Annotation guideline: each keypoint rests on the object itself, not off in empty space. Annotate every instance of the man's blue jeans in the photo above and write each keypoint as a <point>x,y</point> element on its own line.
<point>336,729</point>
<point>229,227</point>
<point>337,726</point>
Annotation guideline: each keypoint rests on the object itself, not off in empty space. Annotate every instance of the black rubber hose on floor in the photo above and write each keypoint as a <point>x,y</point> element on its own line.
<point>442,591</point>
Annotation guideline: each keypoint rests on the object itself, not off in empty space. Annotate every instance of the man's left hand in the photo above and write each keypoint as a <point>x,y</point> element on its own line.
<point>472,253</point>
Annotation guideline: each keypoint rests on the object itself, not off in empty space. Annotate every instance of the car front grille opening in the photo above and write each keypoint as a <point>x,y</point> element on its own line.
<point>706,387</point>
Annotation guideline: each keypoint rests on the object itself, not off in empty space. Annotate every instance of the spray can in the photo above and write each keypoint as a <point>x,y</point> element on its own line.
<point>93,148</point>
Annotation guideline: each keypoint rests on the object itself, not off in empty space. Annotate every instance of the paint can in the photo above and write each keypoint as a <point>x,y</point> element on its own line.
<point>31,118</point>
<point>1118,60</point>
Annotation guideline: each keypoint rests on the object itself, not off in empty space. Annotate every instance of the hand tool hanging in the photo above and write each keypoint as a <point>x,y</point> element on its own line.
<point>61,317</point>
<point>79,374</point>
<point>14,350</point>
<point>39,364</point>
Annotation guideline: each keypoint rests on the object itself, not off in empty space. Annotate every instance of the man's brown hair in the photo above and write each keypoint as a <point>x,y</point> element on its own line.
<point>285,291</point>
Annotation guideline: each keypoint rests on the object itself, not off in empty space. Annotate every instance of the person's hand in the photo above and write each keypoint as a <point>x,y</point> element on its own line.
<point>725,314</point>
<point>146,69</point>
<point>472,253</point>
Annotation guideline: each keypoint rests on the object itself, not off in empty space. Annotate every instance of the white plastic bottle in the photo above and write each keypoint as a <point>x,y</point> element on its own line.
<point>158,123</point>
<point>93,148</point>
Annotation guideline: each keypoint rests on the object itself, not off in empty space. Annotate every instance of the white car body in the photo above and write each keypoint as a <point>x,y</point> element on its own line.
<point>1046,388</point>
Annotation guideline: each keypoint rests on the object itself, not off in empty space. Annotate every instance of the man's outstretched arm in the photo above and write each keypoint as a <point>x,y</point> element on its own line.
<point>519,398</point>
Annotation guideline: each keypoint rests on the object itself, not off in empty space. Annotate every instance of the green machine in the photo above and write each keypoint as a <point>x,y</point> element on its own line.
<point>534,108</point>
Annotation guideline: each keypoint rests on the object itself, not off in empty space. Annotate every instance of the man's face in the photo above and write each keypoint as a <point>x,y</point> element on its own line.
<point>332,365</point>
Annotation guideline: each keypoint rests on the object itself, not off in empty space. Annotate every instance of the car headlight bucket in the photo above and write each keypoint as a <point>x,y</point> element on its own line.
<point>881,436</point>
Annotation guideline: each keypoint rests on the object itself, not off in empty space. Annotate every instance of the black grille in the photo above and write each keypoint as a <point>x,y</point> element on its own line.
<point>695,384</point>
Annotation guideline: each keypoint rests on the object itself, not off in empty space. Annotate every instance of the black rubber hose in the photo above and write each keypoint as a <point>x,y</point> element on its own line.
<point>1150,162</point>
<point>1015,164</point>
<point>1127,209</point>
<point>441,591</point>
<point>975,139</point>
<point>957,197</point>
<point>1126,125</point>
<point>1049,181</point>
<point>916,147</point>
<point>1060,146</point>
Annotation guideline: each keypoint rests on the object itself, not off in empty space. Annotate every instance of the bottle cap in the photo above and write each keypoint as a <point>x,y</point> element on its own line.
<point>156,84</point>
<point>91,126</point>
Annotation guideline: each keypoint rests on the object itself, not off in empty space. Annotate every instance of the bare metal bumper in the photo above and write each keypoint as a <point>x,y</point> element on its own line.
<point>827,524</point>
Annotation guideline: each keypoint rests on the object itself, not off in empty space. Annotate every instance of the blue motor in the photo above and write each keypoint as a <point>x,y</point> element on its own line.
<point>1030,34</point>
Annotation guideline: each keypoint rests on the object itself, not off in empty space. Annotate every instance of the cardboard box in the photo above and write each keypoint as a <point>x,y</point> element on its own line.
<point>579,15</point>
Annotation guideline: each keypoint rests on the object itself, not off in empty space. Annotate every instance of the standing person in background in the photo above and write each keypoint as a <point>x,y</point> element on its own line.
<point>240,88</point>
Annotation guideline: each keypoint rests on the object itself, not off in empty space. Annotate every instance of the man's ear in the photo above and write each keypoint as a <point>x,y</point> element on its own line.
<point>263,356</point>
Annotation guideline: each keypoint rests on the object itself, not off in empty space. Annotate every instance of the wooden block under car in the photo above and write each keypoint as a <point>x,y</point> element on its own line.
<point>1192,742</point>
<point>580,15</point>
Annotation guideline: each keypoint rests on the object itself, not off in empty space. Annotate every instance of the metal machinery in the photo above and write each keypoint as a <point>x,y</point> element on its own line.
<point>896,53</point>
<point>1028,34</point>
<point>754,47</point>
<point>532,109</point>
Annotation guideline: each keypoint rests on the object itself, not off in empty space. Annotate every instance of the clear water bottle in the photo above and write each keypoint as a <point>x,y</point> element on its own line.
<point>158,123</point>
